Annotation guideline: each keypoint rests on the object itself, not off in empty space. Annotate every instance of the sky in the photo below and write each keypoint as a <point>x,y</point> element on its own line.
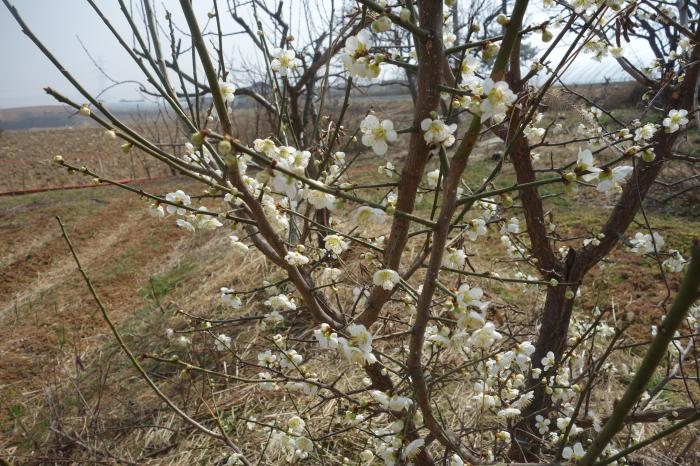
<point>62,24</point>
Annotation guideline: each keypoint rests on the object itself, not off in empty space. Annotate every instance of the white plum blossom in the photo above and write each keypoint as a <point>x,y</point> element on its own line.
<point>645,132</point>
<point>178,198</point>
<point>533,134</point>
<point>498,100</point>
<point>386,278</point>
<point>229,298</point>
<point>357,58</point>
<point>542,424</point>
<point>336,244</point>
<point>377,134</point>
<point>471,297</point>
<point>366,216</point>
<point>477,227</point>
<point>266,358</point>
<point>575,453</point>
<point>331,275</point>
<point>675,263</point>
<point>469,66</point>
<point>319,199</point>
<point>284,61</point>
<point>432,177</point>
<point>185,225</point>
<point>643,243</point>
<point>239,248</point>
<point>281,302</point>
<point>296,258</point>
<point>454,259</point>
<point>675,120</point>
<point>393,402</point>
<point>609,179</point>
<point>182,341</point>
<point>207,222</point>
<point>484,337</point>
<point>156,210</point>
<point>358,348</point>
<point>411,450</point>
<point>585,166</point>
<point>228,91</point>
<point>548,361</point>
<point>326,337</point>
<point>290,359</point>
<point>437,132</point>
<point>222,342</point>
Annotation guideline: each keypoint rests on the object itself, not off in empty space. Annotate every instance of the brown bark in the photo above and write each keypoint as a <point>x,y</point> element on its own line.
<point>428,80</point>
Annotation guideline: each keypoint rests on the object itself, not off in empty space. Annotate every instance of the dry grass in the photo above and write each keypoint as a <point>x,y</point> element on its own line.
<point>68,393</point>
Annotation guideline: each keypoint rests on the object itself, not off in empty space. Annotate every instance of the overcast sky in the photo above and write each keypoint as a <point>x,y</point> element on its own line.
<point>61,23</point>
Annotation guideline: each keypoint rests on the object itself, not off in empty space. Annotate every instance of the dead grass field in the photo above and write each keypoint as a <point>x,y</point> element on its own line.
<point>68,395</point>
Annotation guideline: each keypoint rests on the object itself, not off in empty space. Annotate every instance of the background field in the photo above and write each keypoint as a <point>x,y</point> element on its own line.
<point>67,392</point>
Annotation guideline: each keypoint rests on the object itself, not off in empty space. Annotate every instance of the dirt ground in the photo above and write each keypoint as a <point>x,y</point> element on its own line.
<point>45,306</point>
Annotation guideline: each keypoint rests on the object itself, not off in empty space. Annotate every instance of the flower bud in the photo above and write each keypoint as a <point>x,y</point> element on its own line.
<point>390,210</point>
<point>57,159</point>
<point>381,24</point>
<point>475,27</point>
<point>110,134</point>
<point>126,148</point>
<point>490,50</point>
<point>345,186</point>
<point>502,19</point>
<point>569,294</point>
<point>85,110</point>
<point>570,177</point>
<point>546,35</point>
<point>632,151</point>
<point>553,282</point>
<point>230,160</point>
<point>648,155</point>
<point>506,201</point>
<point>224,147</point>
<point>197,138</point>
<point>405,15</point>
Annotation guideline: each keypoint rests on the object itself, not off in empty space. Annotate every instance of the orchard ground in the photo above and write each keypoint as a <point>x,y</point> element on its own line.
<point>66,389</point>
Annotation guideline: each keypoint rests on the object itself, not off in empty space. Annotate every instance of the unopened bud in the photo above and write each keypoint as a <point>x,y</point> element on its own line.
<point>506,201</point>
<point>381,24</point>
<point>546,35</point>
<point>57,159</point>
<point>648,155</point>
<point>502,19</point>
<point>224,147</point>
<point>85,110</point>
<point>126,148</point>
<point>110,134</point>
<point>405,15</point>
<point>197,138</point>
<point>490,50</point>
